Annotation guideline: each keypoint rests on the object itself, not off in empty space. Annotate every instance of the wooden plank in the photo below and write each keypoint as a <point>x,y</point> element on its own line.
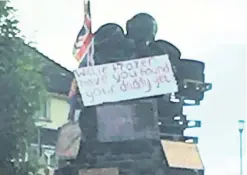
<point>182,155</point>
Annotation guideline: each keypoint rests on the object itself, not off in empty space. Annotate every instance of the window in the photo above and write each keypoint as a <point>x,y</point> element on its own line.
<point>46,109</point>
<point>44,112</point>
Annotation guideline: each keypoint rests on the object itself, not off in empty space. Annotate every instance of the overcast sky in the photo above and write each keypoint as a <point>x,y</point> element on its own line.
<point>208,30</point>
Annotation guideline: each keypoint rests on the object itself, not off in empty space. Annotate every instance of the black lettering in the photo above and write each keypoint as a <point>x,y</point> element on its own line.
<point>105,92</point>
<point>124,75</point>
<point>166,68</point>
<point>149,86</point>
<point>97,81</point>
<point>97,92</point>
<point>146,72</point>
<point>83,71</point>
<point>116,66</point>
<point>136,84</point>
<point>116,77</point>
<point>161,79</point>
<point>104,69</point>
<point>150,61</point>
<point>91,82</point>
<point>159,70</point>
<point>79,73</point>
<point>136,62</point>
<point>166,79</point>
<point>157,81</point>
<point>129,66</point>
<point>93,71</point>
<point>103,79</point>
<point>143,62</point>
<point>112,89</point>
<point>91,95</point>
<point>133,74</point>
<point>108,91</point>
<point>76,73</point>
<point>145,83</point>
<point>123,87</point>
<point>87,83</point>
<point>88,71</point>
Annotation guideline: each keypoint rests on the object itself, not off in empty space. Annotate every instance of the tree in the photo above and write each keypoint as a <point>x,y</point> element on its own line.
<point>21,86</point>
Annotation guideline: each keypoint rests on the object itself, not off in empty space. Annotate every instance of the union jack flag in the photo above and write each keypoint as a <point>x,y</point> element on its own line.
<point>83,51</point>
<point>84,45</point>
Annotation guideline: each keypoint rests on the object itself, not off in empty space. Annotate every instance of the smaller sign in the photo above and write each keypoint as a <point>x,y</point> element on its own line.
<point>68,143</point>
<point>126,80</point>
<point>182,155</point>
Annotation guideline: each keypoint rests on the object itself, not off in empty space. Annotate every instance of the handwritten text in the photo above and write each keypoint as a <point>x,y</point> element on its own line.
<point>126,80</point>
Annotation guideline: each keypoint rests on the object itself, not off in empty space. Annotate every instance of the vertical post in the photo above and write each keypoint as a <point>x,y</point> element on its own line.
<point>241,152</point>
<point>241,124</point>
<point>39,141</point>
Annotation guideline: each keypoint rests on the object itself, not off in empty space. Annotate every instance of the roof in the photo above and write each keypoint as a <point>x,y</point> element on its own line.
<point>57,77</point>
<point>182,155</point>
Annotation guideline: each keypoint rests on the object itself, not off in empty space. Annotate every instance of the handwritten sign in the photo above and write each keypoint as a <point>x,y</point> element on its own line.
<point>126,80</point>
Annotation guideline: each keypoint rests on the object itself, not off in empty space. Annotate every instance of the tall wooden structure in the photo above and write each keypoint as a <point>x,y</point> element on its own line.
<point>143,136</point>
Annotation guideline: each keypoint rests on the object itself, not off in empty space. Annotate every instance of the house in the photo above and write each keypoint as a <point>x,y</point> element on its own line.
<point>54,109</point>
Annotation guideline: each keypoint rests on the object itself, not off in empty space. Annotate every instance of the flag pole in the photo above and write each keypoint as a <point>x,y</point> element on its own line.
<point>88,14</point>
<point>87,49</point>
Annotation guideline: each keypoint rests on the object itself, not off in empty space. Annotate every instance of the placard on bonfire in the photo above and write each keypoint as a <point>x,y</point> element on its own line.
<point>126,80</point>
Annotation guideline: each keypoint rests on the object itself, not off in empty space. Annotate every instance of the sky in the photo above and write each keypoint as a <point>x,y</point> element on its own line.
<point>207,30</point>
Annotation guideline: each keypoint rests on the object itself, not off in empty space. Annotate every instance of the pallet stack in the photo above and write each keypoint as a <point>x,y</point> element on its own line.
<point>151,141</point>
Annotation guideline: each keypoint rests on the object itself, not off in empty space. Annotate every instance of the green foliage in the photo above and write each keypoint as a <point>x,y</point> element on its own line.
<point>21,86</point>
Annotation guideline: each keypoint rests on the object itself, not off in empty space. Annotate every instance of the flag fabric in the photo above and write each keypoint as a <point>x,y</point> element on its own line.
<point>83,50</point>
<point>72,99</point>
<point>88,59</point>
<point>73,90</point>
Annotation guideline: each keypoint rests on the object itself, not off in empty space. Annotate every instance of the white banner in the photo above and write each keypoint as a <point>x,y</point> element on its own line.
<point>126,80</point>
